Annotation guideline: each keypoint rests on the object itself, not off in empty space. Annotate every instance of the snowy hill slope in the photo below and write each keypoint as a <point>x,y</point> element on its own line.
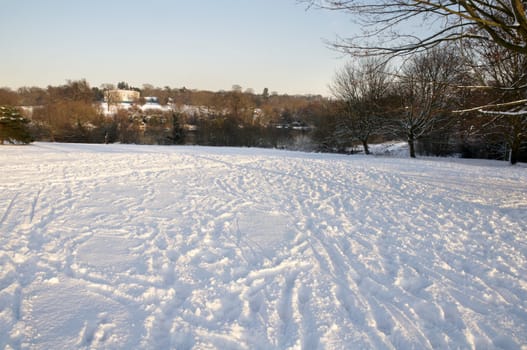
<point>120,246</point>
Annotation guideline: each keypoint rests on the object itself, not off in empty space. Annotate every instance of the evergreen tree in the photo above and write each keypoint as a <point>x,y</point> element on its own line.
<point>13,126</point>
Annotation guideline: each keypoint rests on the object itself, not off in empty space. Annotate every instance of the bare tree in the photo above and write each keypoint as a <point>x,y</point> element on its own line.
<point>9,97</point>
<point>361,88</point>
<point>238,106</point>
<point>387,28</point>
<point>111,95</point>
<point>503,81</point>
<point>425,92</point>
<point>387,21</point>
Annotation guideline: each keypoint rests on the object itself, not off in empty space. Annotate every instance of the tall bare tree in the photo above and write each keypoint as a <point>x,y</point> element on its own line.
<point>426,92</point>
<point>502,79</point>
<point>361,87</point>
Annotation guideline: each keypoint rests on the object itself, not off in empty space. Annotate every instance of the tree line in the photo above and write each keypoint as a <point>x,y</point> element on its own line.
<point>420,100</point>
<point>371,102</point>
<point>481,92</point>
<point>73,112</point>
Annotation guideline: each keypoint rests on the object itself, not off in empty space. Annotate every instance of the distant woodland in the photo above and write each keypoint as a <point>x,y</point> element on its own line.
<point>367,106</point>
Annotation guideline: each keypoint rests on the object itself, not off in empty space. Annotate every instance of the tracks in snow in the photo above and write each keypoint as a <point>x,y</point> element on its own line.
<point>232,250</point>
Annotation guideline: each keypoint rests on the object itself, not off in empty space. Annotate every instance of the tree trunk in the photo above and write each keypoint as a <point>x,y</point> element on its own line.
<point>515,150</point>
<point>366,148</point>
<point>177,130</point>
<point>411,145</point>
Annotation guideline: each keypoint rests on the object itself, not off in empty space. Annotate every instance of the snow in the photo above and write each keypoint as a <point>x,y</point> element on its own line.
<point>151,247</point>
<point>393,149</point>
<point>148,106</point>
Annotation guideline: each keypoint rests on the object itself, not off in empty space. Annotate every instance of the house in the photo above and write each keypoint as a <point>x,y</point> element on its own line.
<point>121,96</point>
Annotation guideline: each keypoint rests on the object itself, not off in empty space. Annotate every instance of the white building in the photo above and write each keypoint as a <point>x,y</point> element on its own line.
<point>121,96</point>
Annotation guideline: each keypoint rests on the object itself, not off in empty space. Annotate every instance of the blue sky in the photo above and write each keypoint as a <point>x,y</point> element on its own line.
<point>199,44</point>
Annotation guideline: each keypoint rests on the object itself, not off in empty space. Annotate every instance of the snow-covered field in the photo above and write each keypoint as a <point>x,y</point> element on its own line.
<point>145,247</point>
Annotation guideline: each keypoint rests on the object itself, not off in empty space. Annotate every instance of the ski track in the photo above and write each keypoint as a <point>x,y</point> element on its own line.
<point>207,248</point>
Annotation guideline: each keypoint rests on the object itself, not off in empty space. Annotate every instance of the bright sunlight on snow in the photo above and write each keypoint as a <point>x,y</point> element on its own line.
<point>147,247</point>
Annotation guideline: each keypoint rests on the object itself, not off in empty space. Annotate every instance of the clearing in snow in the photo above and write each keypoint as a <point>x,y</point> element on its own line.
<point>145,247</point>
